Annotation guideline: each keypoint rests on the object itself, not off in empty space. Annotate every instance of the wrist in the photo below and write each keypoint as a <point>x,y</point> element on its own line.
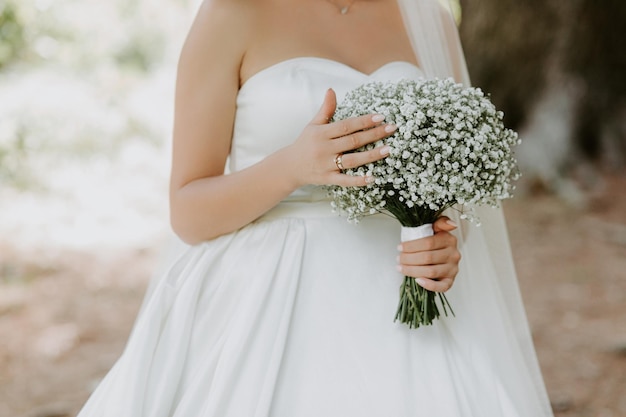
<point>285,169</point>
<point>288,168</point>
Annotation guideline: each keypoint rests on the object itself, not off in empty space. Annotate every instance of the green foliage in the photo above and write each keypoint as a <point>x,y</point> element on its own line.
<point>12,37</point>
<point>12,156</point>
<point>80,79</point>
<point>140,52</point>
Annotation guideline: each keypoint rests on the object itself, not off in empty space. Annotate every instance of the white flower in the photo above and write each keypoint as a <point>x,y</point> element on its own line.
<point>451,147</point>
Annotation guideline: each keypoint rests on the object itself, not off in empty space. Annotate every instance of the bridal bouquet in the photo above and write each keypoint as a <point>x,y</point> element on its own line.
<point>450,149</point>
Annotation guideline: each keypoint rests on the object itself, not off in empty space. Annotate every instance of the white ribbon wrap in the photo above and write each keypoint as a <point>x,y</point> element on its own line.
<point>412,233</point>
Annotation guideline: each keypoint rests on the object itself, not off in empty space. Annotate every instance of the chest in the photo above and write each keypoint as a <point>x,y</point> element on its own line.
<point>275,104</point>
<point>370,34</point>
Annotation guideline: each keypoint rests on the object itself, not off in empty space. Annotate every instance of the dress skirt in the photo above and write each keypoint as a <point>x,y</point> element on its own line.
<point>293,316</point>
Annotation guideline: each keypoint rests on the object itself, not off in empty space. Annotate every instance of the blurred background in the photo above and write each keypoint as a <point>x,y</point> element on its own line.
<point>86,95</point>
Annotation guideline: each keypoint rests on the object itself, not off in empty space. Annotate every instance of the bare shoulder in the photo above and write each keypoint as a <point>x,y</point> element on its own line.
<point>220,33</point>
<point>233,14</point>
<point>207,84</point>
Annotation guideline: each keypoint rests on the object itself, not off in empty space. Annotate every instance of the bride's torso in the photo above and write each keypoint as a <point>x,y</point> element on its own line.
<point>275,104</point>
<point>369,35</point>
<point>298,49</point>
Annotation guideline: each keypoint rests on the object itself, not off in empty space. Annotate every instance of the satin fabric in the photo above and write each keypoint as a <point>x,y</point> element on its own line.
<point>292,315</point>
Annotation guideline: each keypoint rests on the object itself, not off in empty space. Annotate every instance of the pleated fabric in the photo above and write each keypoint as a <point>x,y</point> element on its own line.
<point>292,315</point>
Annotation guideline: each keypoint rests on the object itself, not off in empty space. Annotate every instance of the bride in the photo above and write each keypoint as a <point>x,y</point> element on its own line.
<point>279,307</point>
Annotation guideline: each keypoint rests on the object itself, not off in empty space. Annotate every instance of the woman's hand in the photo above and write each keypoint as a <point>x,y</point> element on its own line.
<point>433,260</point>
<point>312,157</point>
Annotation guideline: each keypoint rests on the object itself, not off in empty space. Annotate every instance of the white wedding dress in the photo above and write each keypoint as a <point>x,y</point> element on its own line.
<point>293,315</point>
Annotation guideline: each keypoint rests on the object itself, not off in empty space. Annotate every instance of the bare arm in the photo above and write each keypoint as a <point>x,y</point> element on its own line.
<point>205,203</point>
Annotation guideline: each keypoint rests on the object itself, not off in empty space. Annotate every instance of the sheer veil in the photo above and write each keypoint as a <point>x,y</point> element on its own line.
<point>435,39</point>
<point>294,314</point>
<point>432,30</point>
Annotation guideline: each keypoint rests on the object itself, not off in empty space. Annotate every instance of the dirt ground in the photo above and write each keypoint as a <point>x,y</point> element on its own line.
<point>65,314</point>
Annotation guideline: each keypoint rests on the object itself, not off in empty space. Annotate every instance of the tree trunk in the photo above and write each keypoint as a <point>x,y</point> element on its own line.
<point>557,69</point>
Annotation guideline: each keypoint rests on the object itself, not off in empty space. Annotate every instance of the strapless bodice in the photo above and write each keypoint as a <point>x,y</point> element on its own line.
<point>275,104</point>
<point>293,316</point>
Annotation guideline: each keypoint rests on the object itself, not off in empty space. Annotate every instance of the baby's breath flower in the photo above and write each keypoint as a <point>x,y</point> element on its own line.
<point>450,149</point>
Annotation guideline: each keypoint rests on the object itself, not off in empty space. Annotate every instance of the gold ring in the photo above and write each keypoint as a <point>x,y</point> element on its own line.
<point>339,162</point>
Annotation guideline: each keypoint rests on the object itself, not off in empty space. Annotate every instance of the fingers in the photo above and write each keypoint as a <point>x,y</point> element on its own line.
<point>431,257</point>
<point>345,180</point>
<point>344,127</point>
<point>353,125</point>
<point>439,240</point>
<point>442,285</point>
<point>356,140</point>
<point>437,278</point>
<point>444,224</point>
<point>323,142</point>
<point>433,260</point>
<point>433,272</point>
<point>356,159</point>
<point>327,109</point>
<point>438,265</point>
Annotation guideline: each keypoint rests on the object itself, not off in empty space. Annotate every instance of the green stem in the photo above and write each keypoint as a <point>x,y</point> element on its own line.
<point>417,306</point>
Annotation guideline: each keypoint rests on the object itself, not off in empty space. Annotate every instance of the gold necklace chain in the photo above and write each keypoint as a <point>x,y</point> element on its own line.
<point>343,9</point>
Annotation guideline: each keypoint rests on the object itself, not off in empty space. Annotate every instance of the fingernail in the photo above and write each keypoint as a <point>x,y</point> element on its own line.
<point>400,247</point>
<point>385,150</point>
<point>378,118</point>
<point>451,223</point>
<point>420,281</point>
<point>399,268</point>
<point>390,128</point>
<point>369,179</point>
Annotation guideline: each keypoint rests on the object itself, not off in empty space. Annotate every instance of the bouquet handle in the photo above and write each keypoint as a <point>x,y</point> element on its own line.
<point>417,306</point>
<point>412,233</point>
